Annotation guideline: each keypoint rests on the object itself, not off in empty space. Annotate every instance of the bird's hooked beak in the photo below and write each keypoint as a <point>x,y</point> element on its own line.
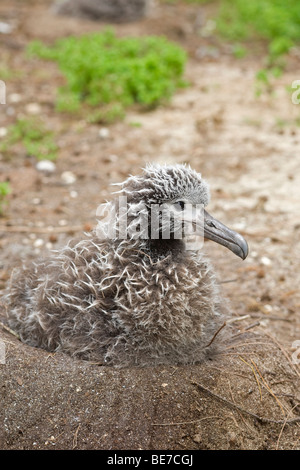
<point>219,233</point>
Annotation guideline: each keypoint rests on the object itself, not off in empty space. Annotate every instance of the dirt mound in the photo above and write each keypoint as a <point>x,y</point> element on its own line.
<point>233,402</point>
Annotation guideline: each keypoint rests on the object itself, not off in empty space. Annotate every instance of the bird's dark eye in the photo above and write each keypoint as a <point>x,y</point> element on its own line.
<point>180,205</point>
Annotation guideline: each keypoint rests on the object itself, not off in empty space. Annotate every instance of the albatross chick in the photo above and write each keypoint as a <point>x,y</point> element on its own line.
<point>133,292</point>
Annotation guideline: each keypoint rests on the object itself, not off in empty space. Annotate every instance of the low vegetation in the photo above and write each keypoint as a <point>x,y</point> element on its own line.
<point>274,22</point>
<point>36,140</point>
<point>110,73</point>
<point>5,190</point>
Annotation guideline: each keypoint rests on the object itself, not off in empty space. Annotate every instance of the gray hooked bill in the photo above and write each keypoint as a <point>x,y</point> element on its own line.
<point>216,231</point>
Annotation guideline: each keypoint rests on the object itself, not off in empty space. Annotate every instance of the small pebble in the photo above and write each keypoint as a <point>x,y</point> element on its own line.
<point>231,438</point>
<point>36,201</point>
<point>52,238</point>
<point>104,133</point>
<point>68,177</point>
<point>46,166</point>
<point>3,132</point>
<point>266,261</point>
<point>38,242</point>
<point>5,28</point>
<point>268,308</point>
<point>15,98</point>
<point>33,108</point>
<point>197,438</point>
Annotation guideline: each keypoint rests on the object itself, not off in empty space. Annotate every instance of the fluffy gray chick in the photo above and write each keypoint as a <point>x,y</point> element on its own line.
<point>138,297</point>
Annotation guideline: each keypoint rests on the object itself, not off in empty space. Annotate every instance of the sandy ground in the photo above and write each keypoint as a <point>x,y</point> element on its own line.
<point>247,148</point>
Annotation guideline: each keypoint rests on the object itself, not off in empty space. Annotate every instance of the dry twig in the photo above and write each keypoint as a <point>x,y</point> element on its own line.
<point>269,389</point>
<point>188,422</point>
<point>257,381</point>
<point>12,332</point>
<point>75,437</point>
<point>235,407</point>
<point>227,322</point>
<point>283,425</point>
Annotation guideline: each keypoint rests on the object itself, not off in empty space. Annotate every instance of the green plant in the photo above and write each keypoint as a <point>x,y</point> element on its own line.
<point>270,19</point>
<point>275,21</point>
<point>35,138</point>
<point>4,192</point>
<point>186,1</point>
<point>104,70</point>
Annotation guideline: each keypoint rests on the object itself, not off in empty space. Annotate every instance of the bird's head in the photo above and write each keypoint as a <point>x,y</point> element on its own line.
<point>168,201</point>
